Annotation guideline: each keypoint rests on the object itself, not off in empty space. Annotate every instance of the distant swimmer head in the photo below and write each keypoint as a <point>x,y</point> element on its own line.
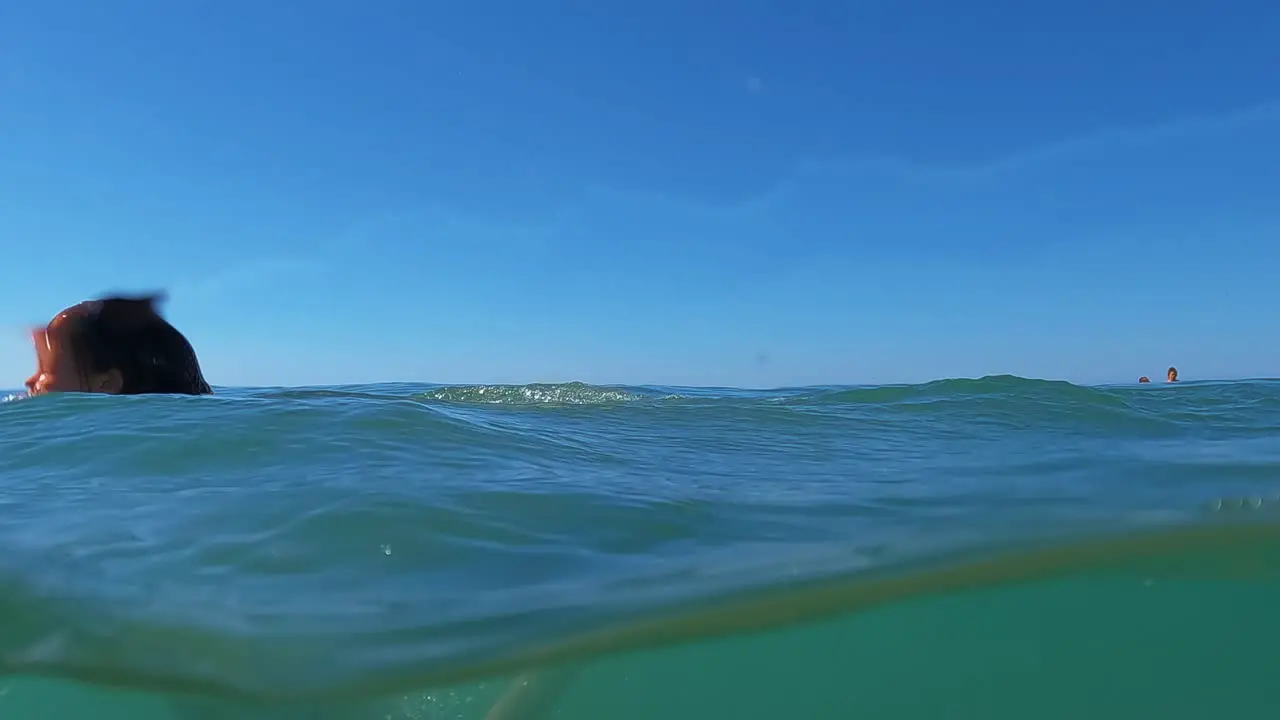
<point>1144,379</point>
<point>1173,374</point>
<point>115,345</point>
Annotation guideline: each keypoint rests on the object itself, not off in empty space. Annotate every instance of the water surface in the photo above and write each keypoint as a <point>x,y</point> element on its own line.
<point>966,548</point>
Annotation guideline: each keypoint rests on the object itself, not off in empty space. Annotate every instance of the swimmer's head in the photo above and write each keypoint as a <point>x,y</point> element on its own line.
<point>1144,379</point>
<point>116,345</point>
<point>1173,374</point>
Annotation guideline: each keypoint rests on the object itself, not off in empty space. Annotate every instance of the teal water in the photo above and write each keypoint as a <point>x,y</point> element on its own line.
<point>994,548</point>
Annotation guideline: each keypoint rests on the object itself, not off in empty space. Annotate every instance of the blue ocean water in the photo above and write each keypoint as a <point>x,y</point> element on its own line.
<point>992,548</point>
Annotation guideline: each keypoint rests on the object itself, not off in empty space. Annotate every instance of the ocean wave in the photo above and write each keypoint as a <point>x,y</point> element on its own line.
<point>300,544</point>
<point>573,393</point>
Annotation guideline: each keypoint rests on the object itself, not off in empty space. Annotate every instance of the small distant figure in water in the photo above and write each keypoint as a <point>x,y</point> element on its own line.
<point>1173,374</point>
<point>115,345</point>
<point>1144,379</point>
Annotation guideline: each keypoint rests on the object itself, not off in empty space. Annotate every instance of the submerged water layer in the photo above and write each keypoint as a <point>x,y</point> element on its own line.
<point>991,548</point>
<point>1170,625</point>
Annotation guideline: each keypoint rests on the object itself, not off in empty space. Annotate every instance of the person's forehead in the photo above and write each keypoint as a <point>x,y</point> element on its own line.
<point>75,311</point>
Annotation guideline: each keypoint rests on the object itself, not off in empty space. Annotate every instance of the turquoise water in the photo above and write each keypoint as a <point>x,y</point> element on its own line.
<point>995,548</point>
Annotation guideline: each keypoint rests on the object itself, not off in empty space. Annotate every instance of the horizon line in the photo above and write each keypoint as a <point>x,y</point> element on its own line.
<point>775,388</point>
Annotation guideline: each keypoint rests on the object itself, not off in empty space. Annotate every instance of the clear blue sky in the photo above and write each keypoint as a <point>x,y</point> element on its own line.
<point>729,193</point>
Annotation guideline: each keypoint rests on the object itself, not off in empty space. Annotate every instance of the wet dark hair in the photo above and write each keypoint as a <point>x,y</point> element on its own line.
<point>128,334</point>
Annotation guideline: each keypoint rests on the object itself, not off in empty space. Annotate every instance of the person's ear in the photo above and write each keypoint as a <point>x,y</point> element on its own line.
<point>110,382</point>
